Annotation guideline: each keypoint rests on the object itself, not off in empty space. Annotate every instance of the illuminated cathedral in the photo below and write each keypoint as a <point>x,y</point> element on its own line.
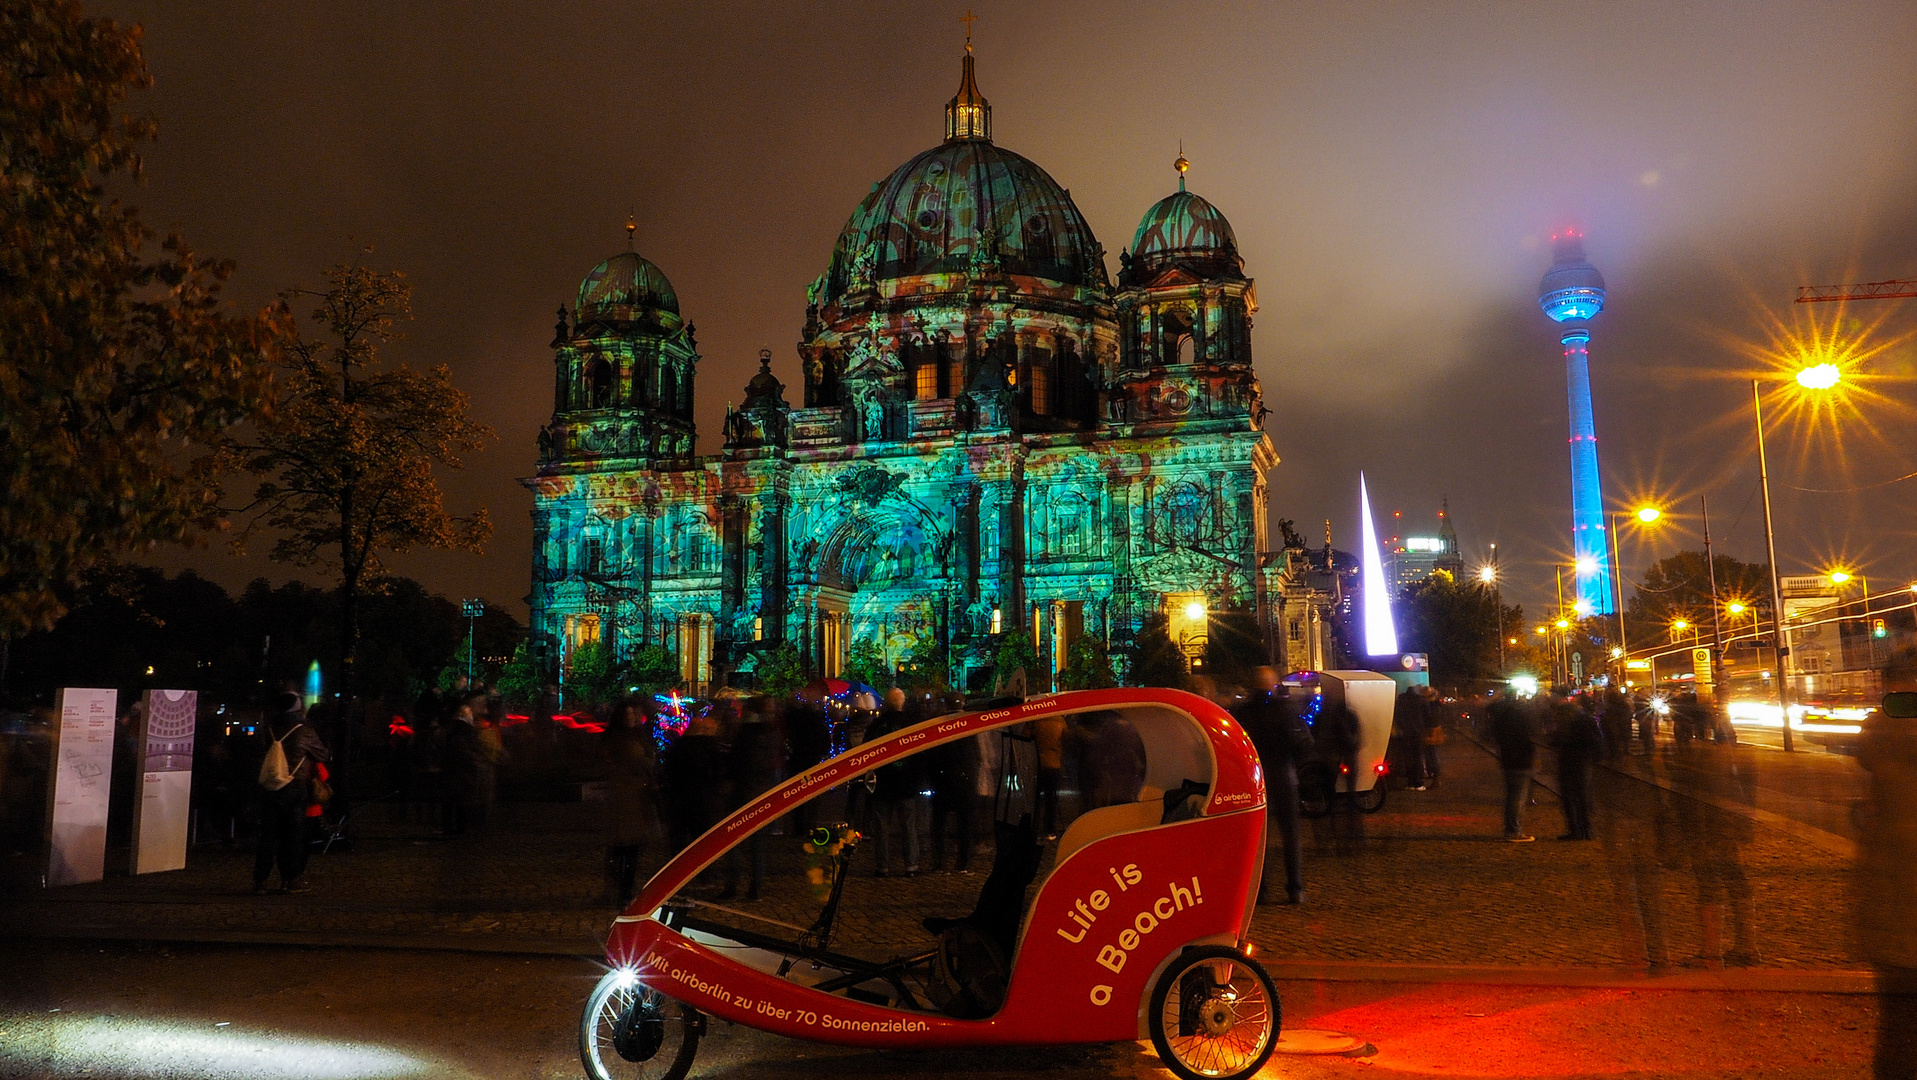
<point>993,437</point>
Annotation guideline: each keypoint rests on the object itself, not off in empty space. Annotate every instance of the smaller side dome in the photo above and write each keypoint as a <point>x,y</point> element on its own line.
<point>1183,229</point>
<point>623,286</point>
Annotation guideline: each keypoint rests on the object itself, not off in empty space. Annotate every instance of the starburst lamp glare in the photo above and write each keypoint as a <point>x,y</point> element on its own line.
<point>1572,293</point>
<point>1381,637</point>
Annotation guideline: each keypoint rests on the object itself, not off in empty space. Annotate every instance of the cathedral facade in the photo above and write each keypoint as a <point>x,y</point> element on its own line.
<point>993,437</point>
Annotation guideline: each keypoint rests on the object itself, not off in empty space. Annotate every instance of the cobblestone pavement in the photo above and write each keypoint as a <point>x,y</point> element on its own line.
<point>200,1012</point>
<point>1670,878</point>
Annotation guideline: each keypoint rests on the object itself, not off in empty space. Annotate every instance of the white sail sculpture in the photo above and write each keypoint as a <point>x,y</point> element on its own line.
<point>1381,637</point>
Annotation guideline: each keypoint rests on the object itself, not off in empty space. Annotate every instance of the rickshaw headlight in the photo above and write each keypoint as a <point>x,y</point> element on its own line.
<point>625,977</point>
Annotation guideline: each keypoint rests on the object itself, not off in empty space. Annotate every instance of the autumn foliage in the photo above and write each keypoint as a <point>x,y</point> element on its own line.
<point>119,371</point>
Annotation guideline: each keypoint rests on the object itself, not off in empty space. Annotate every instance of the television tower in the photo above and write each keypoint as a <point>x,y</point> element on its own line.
<point>1572,293</point>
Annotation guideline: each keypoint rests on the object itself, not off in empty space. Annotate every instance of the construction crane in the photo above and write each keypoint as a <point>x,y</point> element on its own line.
<point>1870,290</point>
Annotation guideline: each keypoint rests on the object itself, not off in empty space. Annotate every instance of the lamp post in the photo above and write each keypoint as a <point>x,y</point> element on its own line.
<point>472,609</point>
<point>1781,650</point>
<point>1488,575</point>
<point>1839,578</point>
<point>1717,630</point>
<point>1646,515</point>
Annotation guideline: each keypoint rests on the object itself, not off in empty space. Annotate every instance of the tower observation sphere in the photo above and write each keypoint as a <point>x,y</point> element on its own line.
<point>1572,290</point>
<point>1571,293</point>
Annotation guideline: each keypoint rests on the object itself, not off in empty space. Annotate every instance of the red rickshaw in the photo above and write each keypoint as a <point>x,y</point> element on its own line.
<point>1136,928</point>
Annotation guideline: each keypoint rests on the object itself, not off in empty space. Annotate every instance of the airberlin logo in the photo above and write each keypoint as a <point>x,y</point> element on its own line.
<point>1086,911</point>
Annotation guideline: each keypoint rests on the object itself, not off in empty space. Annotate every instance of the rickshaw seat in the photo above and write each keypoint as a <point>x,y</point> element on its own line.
<point>1106,821</point>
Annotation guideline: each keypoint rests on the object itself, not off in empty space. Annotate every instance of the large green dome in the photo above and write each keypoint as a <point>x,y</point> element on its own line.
<point>960,205</point>
<point>622,286</point>
<point>1183,229</point>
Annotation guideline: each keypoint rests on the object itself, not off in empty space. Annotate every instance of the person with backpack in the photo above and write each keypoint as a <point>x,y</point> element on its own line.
<point>293,750</point>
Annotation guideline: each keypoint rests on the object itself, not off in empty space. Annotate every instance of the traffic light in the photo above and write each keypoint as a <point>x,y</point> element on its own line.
<point>1878,629</point>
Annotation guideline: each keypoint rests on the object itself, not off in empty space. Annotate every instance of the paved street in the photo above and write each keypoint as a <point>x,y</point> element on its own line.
<point>1433,885</point>
<point>198,1012</point>
<point>1448,950</point>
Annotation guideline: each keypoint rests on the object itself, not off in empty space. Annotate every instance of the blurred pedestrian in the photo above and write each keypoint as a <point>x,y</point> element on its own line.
<point>1614,719</point>
<point>1433,735</point>
<point>1410,721</point>
<point>1338,729</point>
<point>893,807</point>
<point>758,757</point>
<point>1886,879</point>
<point>1647,715</point>
<point>492,752</point>
<point>1111,760</point>
<point>1511,728</point>
<point>809,737</point>
<point>1579,745</point>
<point>954,768</point>
<point>695,775</point>
<point>1048,734</point>
<point>1283,742</point>
<point>459,770</point>
<point>631,798</point>
<point>292,749</point>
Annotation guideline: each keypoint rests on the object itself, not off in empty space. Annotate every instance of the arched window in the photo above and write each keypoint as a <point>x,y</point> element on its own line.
<point>1175,339</point>
<point>668,388</point>
<point>1187,508</point>
<point>1042,385</point>
<point>1071,524</point>
<point>598,383</point>
<point>925,376</point>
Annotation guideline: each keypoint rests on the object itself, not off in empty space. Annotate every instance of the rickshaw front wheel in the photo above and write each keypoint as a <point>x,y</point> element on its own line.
<point>630,1031</point>
<point>1214,1015</point>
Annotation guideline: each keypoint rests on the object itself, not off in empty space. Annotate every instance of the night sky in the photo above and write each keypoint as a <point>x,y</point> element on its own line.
<point>1393,173</point>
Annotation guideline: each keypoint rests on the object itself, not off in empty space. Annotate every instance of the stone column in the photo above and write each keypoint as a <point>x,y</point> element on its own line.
<point>732,529</point>
<point>773,582</point>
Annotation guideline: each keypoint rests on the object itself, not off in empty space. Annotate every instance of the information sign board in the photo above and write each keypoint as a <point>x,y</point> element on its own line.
<point>82,779</point>
<point>166,780</point>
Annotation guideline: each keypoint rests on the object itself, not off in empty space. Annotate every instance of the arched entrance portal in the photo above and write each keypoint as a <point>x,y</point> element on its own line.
<point>880,587</point>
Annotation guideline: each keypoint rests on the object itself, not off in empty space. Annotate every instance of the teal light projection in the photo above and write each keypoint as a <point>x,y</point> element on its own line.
<point>993,438</point>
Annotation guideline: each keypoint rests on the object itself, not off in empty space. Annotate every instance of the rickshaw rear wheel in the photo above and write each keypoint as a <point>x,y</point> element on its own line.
<point>1214,1015</point>
<point>1315,781</point>
<point>1372,801</point>
<point>630,1031</point>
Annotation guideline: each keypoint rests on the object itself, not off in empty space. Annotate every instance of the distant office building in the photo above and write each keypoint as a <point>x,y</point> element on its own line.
<point>1414,558</point>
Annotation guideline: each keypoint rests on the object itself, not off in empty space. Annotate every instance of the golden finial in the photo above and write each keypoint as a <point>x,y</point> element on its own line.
<point>632,226</point>
<point>1181,165</point>
<point>968,20</point>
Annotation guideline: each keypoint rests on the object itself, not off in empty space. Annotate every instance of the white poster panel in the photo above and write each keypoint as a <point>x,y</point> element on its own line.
<point>167,719</point>
<point>77,798</point>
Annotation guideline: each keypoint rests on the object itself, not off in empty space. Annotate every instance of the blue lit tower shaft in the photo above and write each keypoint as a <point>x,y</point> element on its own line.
<point>1587,495</point>
<point>1571,294</point>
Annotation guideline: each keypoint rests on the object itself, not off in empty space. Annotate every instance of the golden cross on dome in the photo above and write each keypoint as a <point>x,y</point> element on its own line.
<point>968,20</point>
<point>632,226</point>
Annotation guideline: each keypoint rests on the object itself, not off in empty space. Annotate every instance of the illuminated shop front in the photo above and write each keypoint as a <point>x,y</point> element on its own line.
<point>992,436</point>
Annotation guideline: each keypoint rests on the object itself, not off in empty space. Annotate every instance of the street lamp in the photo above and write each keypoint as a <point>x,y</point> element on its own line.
<point>1815,377</point>
<point>1646,515</point>
<point>1488,575</point>
<point>471,609</point>
<point>1840,576</point>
